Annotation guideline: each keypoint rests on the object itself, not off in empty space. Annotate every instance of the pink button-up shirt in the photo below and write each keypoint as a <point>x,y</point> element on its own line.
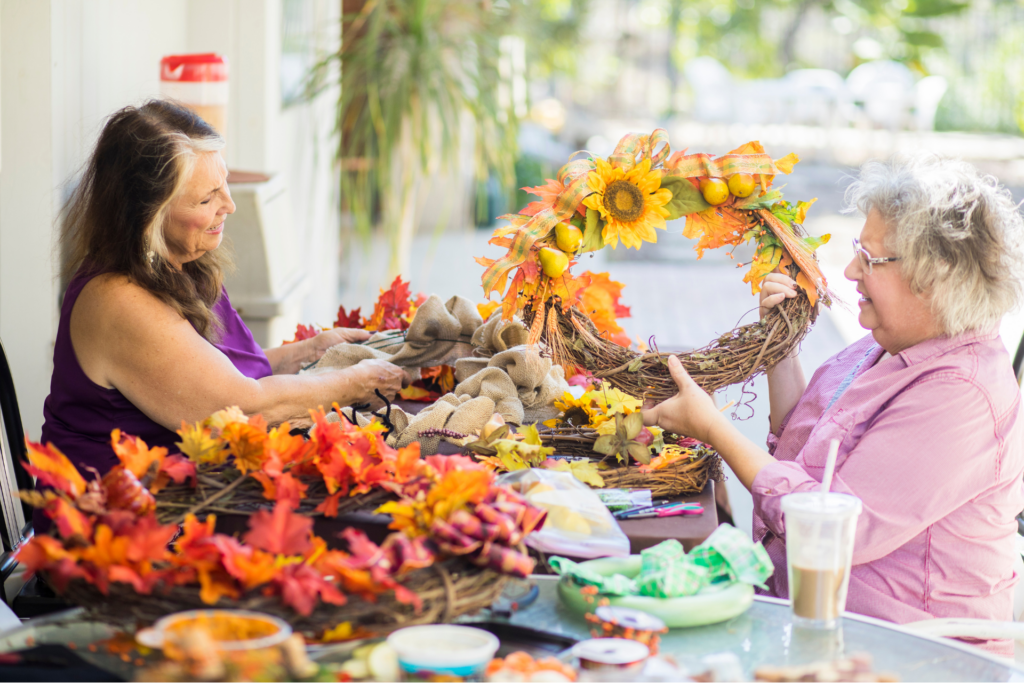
<point>932,442</point>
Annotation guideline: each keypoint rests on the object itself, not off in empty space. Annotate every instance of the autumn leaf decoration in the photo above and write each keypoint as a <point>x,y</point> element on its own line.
<point>106,532</point>
<point>597,202</point>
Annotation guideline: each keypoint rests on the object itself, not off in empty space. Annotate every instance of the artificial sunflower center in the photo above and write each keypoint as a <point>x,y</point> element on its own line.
<point>624,201</point>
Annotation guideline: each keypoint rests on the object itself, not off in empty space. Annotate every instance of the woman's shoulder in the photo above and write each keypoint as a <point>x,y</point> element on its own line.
<point>114,300</point>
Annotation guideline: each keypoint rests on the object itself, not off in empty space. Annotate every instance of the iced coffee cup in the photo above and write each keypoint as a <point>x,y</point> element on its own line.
<point>820,530</point>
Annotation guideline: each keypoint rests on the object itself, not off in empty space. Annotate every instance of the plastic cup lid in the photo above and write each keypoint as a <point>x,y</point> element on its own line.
<point>443,645</point>
<point>821,505</point>
<point>627,617</point>
<point>611,651</point>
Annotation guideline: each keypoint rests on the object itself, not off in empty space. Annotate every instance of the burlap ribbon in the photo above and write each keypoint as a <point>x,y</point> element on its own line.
<point>440,333</point>
<point>495,372</point>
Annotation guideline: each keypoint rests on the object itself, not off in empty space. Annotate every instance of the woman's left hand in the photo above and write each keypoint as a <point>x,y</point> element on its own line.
<point>691,412</point>
<point>339,335</point>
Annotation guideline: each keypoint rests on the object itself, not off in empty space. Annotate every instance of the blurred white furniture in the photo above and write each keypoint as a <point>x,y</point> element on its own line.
<point>928,93</point>
<point>880,93</point>
<point>269,280</point>
<point>812,96</point>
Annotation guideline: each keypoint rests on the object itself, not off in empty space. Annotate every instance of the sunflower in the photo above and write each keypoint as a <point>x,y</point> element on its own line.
<point>631,202</point>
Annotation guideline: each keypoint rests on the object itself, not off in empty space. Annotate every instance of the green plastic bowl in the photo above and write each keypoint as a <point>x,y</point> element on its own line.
<point>712,605</point>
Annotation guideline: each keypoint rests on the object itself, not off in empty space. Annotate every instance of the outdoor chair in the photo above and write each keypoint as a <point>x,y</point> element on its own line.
<point>880,93</point>
<point>16,523</point>
<point>812,96</point>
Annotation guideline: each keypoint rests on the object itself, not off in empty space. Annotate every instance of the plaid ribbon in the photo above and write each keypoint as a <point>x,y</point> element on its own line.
<point>728,553</point>
<point>694,165</point>
<point>681,577</point>
<point>574,177</point>
<point>616,584</point>
<point>625,154</point>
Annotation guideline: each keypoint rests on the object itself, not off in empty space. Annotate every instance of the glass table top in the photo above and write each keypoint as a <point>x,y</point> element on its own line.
<point>764,635</point>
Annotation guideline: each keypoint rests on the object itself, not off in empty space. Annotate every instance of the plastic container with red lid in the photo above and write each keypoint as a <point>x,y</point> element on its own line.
<point>199,81</point>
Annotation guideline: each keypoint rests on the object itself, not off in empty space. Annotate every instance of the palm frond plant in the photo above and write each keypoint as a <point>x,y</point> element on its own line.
<point>412,72</point>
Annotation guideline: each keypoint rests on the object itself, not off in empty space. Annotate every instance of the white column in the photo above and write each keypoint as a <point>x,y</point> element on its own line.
<point>28,202</point>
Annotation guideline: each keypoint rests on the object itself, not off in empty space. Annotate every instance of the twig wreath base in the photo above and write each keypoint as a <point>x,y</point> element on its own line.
<point>216,492</point>
<point>734,358</point>
<point>448,590</point>
<point>684,477</point>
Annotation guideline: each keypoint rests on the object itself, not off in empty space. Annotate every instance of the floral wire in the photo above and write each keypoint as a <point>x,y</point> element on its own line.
<point>386,417</point>
<point>745,404</point>
<point>355,407</point>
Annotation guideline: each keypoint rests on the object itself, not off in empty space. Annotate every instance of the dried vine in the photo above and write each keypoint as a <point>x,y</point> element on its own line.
<point>734,358</point>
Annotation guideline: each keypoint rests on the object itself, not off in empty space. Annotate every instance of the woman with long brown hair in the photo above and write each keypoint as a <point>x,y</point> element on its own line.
<point>147,336</point>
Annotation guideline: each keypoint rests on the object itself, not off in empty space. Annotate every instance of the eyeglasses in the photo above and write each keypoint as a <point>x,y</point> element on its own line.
<point>867,261</point>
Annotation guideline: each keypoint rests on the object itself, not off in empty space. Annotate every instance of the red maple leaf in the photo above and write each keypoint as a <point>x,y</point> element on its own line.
<point>301,585</point>
<point>348,319</point>
<point>329,507</point>
<point>281,532</point>
<point>303,332</point>
<point>391,307</point>
<point>176,468</point>
<point>149,539</point>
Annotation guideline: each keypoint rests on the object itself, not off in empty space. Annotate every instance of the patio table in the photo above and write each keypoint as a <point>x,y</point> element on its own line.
<point>764,635</point>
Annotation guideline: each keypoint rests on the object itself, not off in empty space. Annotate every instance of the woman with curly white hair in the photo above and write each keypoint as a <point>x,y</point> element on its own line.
<point>926,407</point>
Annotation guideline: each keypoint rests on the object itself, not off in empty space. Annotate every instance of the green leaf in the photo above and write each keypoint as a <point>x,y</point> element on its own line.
<point>639,452</point>
<point>934,8</point>
<point>814,242</point>
<point>608,444</point>
<point>923,38</point>
<point>633,424</point>
<point>593,239</point>
<point>635,365</point>
<point>755,202</point>
<point>578,344</point>
<point>686,198</point>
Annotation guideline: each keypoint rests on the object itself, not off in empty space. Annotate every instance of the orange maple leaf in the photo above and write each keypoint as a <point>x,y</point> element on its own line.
<point>391,307</point>
<point>248,565</point>
<point>281,531</point>
<point>247,443</point>
<point>134,454</point>
<point>51,467</point>
<point>329,508</point>
<point>149,539</point>
<point>600,301</point>
<point>69,520</point>
<point>216,584</point>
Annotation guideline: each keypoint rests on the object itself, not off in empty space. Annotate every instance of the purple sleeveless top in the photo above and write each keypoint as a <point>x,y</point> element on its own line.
<point>80,414</point>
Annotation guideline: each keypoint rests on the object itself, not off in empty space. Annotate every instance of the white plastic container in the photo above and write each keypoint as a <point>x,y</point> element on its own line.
<point>443,651</point>
<point>820,532</point>
<point>199,81</point>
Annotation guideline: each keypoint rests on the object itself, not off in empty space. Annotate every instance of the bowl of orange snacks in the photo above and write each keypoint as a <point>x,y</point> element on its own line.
<point>228,630</point>
<point>520,666</point>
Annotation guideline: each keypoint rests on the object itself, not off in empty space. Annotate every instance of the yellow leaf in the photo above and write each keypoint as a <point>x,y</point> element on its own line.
<point>786,163</point>
<point>342,631</point>
<point>486,309</point>
<point>801,210</point>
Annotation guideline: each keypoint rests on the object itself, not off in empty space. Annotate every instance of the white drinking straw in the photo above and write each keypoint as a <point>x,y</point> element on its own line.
<point>830,466</point>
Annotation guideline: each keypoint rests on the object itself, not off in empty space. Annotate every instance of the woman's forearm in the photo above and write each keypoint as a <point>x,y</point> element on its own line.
<point>743,456</point>
<point>288,359</point>
<point>786,385</point>
<point>290,397</point>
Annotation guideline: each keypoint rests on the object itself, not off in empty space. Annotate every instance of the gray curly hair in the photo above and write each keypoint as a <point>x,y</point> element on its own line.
<point>959,235</point>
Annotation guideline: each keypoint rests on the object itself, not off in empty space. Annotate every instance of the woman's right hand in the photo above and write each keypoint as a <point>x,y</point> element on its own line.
<point>372,373</point>
<point>775,288</point>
